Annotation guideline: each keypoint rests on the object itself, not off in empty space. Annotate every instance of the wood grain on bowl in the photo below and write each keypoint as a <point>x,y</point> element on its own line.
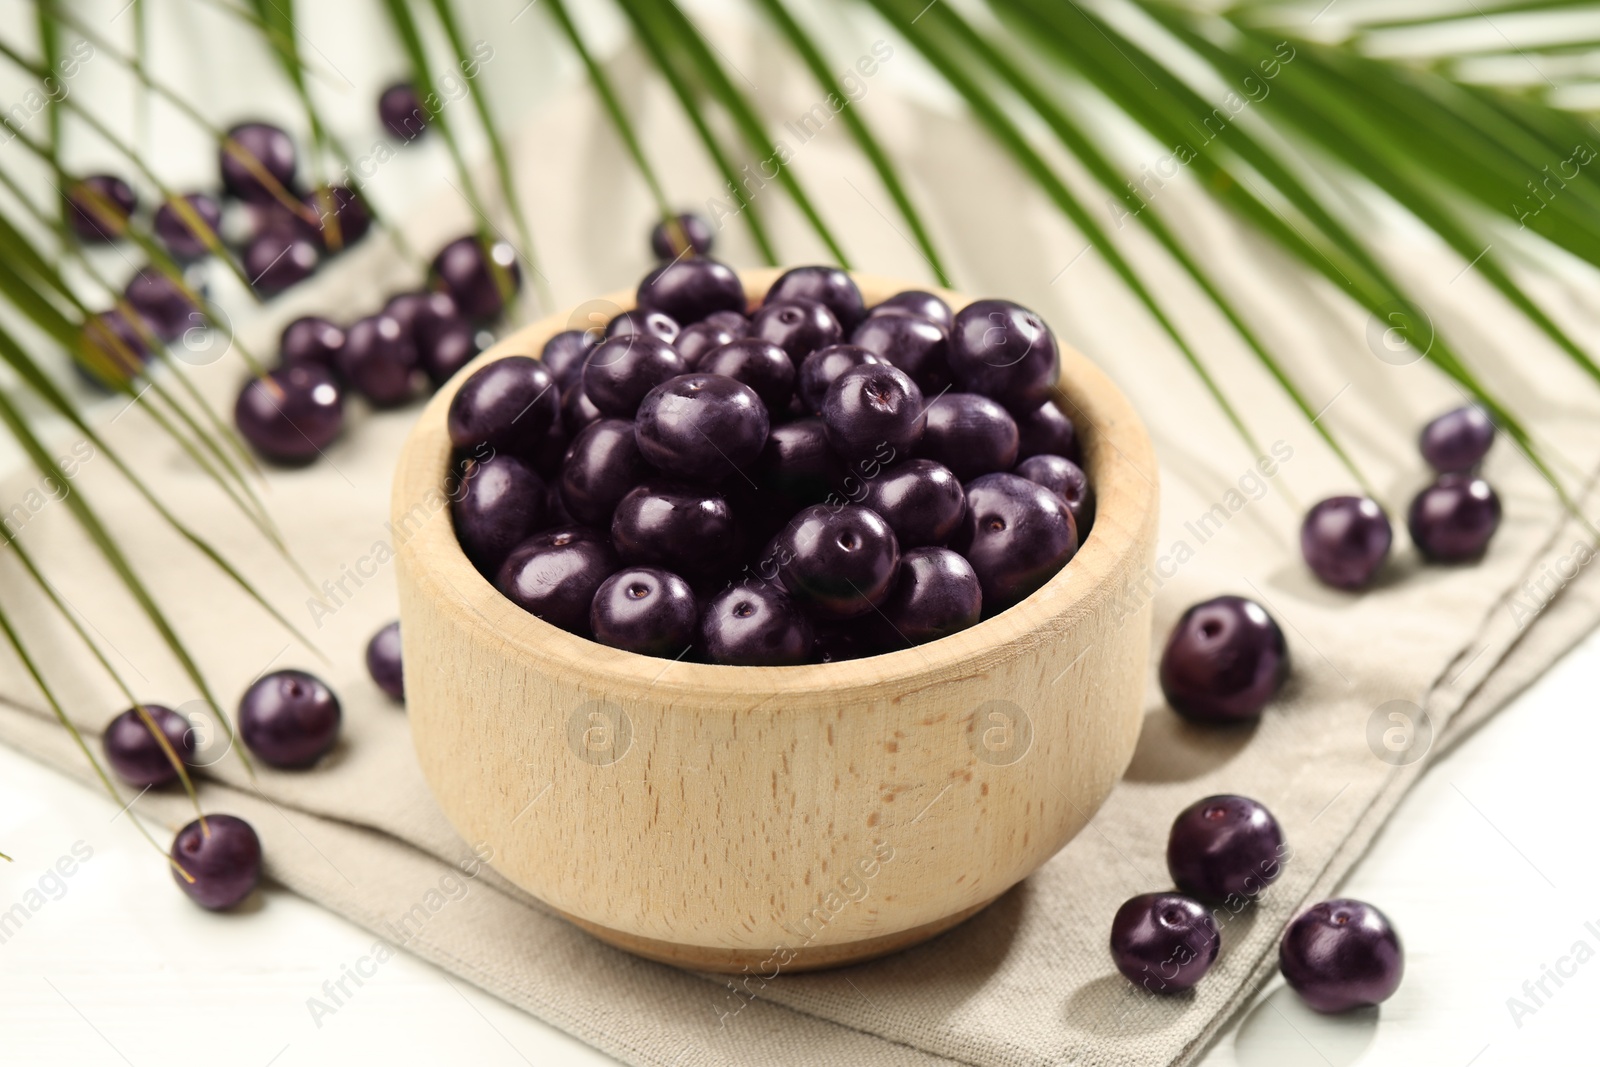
<point>724,817</point>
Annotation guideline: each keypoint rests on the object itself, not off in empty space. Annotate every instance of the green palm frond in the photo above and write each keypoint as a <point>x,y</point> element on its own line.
<point>667,65</point>
<point>411,40</point>
<point>467,61</point>
<point>612,104</point>
<point>1362,104</point>
<point>676,27</point>
<point>209,454</point>
<point>888,173</point>
<point>14,641</point>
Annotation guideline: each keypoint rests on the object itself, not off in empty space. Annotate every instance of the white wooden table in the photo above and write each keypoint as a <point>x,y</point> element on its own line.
<point>117,967</point>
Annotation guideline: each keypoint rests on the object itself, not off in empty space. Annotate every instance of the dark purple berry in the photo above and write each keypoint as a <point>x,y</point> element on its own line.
<point>755,625</point>
<point>937,594</point>
<point>917,346</point>
<point>1046,431</point>
<point>657,324</point>
<point>853,639</point>
<point>970,434</point>
<point>555,575</point>
<point>734,322</point>
<point>310,340</point>
<point>1225,846</point>
<point>704,336</point>
<point>135,753</point>
<point>645,610</point>
<point>218,861</point>
<point>680,234</point>
<point>99,206</point>
<point>836,642</point>
<point>289,719</point>
<point>1016,535</point>
<point>621,370</point>
<point>799,327</point>
<point>829,286</point>
<point>277,260</point>
<point>702,427</point>
<point>379,360</point>
<point>685,528</point>
<point>563,355</point>
<point>1457,441</point>
<point>1066,480</point>
<point>761,365</point>
<point>922,501</point>
<point>1224,661</point>
<point>557,510</point>
<point>798,464</point>
<point>822,368</point>
<point>1345,539</point>
<point>257,161</point>
<point>577,410</point>
<point>401,112</point>
<point>113,347</point>
<point>691,288</point>
<point>602,464</point>
<point>1342,954</point>
<point>292,414</point>
<point>1453,519</point>
<point>508,405</point>
<point>548,456</point>
<point>873,410</point>
<point>338,217</point>
<point>1164,942</point>
<point>838,562</point>
<point>166,307</point>
<point>424,314</point>
<point>501,503</point>
<point>177,230</point>
<point>449,350</point>
<point>1005,352</point>
<point>481,276</point>
<point>918,303</point>
<point>383,661</point>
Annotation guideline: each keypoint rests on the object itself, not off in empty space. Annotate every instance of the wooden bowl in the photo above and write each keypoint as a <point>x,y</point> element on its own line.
<point>724,818</point>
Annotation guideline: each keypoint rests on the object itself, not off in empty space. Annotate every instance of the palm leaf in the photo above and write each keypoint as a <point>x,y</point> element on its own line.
<point>497,149</point>
<point>1456,154</point>
<point>13,356</point>
<point>993,116</point>
<point>276,17</point>
<point>50,55</point>
<point>1077,141</point>
<point>613,105</point>
<point>54,322</point>
<point>65,611</point>
<point>888,174</point>
<point>667,65</point>
<point>28,664</point>
<point>411,40</point>
<point>1151,94</point>
<point>159,256</point>
<point>1478,10</point>
<point>669,20</point>
<point>107,546</point>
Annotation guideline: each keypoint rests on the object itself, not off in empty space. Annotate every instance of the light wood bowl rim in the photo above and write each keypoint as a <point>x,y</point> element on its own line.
<point>1118,456</point>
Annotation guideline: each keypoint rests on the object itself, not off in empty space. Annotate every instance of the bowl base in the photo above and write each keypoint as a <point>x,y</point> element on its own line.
<point>741,961</point>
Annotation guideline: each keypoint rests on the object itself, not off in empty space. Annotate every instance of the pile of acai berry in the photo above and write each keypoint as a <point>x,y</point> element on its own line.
<point>804,480</point>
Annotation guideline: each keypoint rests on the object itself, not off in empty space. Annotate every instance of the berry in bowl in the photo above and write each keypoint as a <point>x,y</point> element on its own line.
<point>783,663</point>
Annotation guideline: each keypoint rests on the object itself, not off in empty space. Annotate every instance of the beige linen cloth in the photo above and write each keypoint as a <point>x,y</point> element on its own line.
<point>1029,980</point>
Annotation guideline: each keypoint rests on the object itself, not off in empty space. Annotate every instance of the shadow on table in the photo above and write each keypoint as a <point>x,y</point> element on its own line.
<point>1172,749</point>
<point>1281,1031</point>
